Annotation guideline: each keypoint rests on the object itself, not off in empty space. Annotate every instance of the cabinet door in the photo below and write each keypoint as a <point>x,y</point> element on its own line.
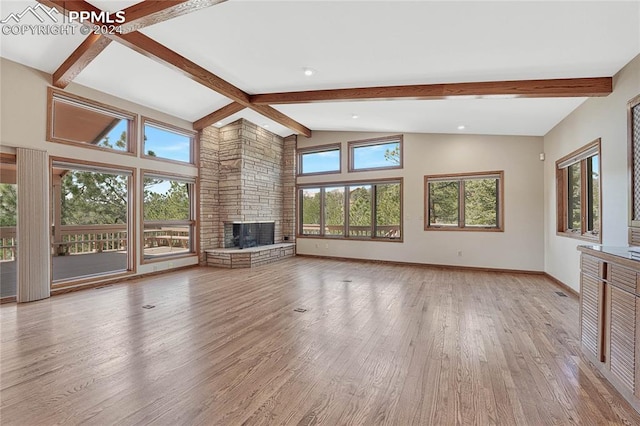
<point>590,318</point>
<point>622,337</point>
<point>638,347</point>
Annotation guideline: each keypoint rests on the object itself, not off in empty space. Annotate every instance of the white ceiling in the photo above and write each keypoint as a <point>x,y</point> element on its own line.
<point>263,46</point>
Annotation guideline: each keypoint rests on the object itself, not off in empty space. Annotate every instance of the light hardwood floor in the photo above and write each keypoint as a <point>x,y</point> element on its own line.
<point>378,344</point>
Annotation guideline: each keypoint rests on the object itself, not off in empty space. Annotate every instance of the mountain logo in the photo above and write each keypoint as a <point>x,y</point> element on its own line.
<point>36,11</point>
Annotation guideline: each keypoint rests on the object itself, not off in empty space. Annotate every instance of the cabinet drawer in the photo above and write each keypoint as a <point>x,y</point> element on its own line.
<point>623,277</point>
<point>590,265</point>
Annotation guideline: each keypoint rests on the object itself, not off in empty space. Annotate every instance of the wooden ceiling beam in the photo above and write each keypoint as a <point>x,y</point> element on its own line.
<point>152,12</point>
<point>91,47</point>
<point>162,54</point>
<point>218,115</point>
<point>555,88</point>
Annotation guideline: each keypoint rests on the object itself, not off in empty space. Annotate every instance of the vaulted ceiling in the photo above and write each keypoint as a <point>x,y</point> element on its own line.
<point>262,47</point>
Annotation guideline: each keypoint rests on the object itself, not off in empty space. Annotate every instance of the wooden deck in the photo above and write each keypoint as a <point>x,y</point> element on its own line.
<point>377,344</point>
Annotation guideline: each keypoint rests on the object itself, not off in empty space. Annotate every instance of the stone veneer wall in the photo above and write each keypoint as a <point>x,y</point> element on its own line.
<point>209,193</point>
<point>246,174</point>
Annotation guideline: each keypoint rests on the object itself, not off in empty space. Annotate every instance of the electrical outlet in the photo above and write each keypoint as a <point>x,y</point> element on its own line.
<point>326,245</point>
<point>317,245</point>
<point>460,253</point>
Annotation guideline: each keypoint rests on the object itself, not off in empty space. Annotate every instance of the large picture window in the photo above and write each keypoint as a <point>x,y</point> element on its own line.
<point>376,154</point>
<point>168,143</point>
<point>168,216</point>
<point>75,120</point>
<point>319,160</point>
<point>579,193</point>
<point>363,210</point>
<point>464,202</point>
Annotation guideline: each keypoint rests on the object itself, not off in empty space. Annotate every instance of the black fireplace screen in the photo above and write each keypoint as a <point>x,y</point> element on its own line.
<point>247,235</point>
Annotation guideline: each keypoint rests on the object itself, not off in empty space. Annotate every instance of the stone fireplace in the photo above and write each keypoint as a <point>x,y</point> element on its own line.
<point>251,199</point>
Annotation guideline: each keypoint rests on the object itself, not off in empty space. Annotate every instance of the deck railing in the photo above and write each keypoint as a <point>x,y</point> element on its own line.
<point>80,239</point>
<point>7,242</point>
<point>386,231</point>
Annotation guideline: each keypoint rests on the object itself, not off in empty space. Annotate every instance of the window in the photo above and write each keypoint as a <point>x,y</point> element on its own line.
<point>371,210</point>
<point>578,190</point>
<point>464,202</point>
<point>8,222</point>
<point>319,160</point>
<point>168,143</point>
<point>168,216</point>
<point>75,120</point>
<point>376,154</point>
<point>91,228</point>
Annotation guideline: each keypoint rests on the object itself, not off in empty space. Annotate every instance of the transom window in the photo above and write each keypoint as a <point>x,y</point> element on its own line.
<point>375,154</point>
<point>75,120</point>
<point>464,202</point>
<point>352,210</point>
<point>578,190</point>
<point>167,142</point>
<point>319,160</point>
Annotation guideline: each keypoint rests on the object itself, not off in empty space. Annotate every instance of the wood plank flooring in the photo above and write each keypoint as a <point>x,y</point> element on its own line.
<point>378,344</point>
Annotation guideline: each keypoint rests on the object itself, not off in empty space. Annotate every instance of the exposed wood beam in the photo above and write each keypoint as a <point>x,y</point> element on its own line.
<point>162,54</point>
<point>79,59</point>
<point>218,115</point>
<point>151,12</point>
<point>556,88</point>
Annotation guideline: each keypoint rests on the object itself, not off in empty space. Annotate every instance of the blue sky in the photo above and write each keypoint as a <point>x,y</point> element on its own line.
<point>167,144</point>
<point>370,156</point>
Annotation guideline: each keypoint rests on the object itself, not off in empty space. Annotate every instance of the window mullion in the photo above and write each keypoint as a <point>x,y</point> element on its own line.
<point>322,204</point>
<point>461,221</point>
<point>374,191</point>
<point>584,202</point>
<point>346,201</point>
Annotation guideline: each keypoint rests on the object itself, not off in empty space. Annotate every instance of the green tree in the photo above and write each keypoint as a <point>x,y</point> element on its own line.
<point>388,209</point>
<point>334,210</point>
<point>360,209</point>
<point>480,202</point>
<point>170,205</point>
<point>8,204</point>
<point>93,198</point>
<point>443,202</point>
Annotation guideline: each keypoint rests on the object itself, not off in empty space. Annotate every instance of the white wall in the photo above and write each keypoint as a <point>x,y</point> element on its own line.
<point>519,247</point>
<point>23,108</point>
<point>604,118</point>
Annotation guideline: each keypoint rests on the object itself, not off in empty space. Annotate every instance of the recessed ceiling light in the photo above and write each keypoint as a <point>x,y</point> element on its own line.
<point>354,116</point>
<point>219,123</point>
<point>461,127</point>
<point>308,71</point>
<point>265,125</point>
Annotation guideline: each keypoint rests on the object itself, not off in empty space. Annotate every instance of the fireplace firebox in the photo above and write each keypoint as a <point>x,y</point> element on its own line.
<point>248,234</point>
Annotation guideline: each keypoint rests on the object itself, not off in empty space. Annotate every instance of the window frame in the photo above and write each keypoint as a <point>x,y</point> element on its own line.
<point>346,184</point>
<point>80,102</point>
<point>632,172</point>
<point>193,222</point>
<point>131,221</point>
<point>460,178</point>
<point>581,156</point>
<point>318,149</point>
<point>352,145</point>
<point>194,151</point>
